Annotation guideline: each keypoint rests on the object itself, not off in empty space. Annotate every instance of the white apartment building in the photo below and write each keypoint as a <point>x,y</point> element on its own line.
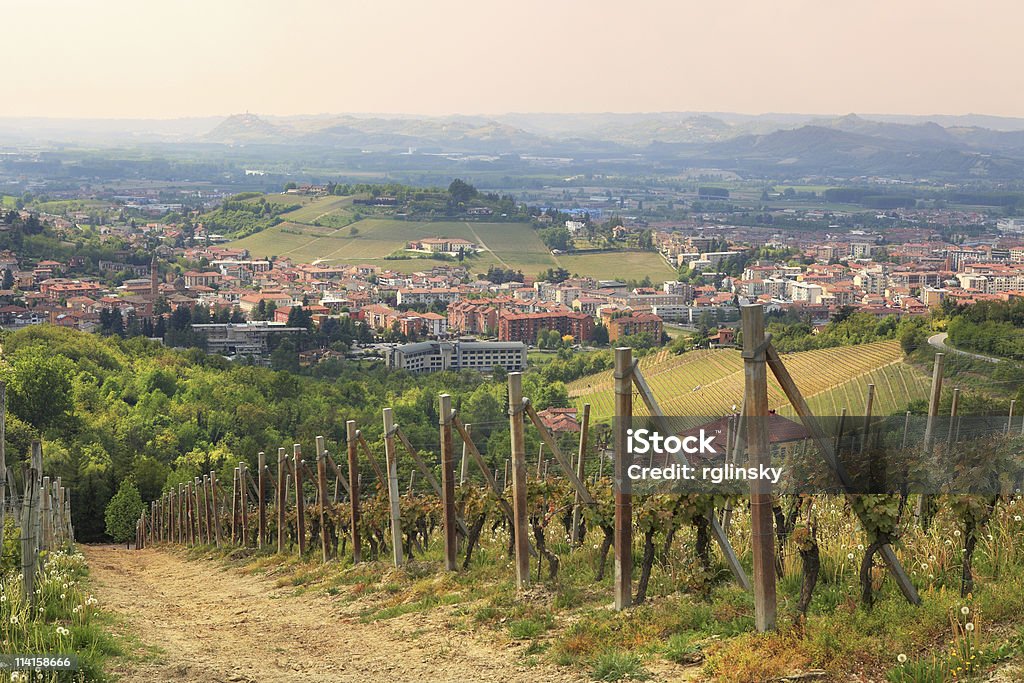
<point>435,356</point>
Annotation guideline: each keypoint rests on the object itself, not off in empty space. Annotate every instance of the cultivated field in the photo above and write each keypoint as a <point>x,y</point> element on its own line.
<point>710,383</point>
<point>322,229</point>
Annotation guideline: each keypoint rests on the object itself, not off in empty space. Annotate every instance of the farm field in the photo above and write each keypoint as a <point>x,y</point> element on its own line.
<point>709,383</point>
<point>507,245</point>
<point>627,265</point>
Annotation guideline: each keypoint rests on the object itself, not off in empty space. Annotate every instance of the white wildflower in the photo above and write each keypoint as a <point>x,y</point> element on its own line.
<point>965,610</point>
<point>969,626</point>
<point>901,658</point>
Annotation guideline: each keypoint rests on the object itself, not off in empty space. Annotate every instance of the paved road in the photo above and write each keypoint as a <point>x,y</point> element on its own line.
<point>939,342</point>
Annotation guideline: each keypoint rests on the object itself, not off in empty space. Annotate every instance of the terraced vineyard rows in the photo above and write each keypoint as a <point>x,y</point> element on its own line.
<point>710,383</point>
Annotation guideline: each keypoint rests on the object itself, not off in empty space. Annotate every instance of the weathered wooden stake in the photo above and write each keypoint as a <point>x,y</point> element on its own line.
<point>581,456</point>
<point>623,533</point>
<point>869,404</point>
<point>321,483</point>
<point>464,468</point>
<point>1009,421</point>
<point>762,523</point>
<point>300,498</point>
<point>46,541</point>
<point>953,412</point>
<point>391,461</point>
<point>353,485</point>
<point>29,540</point>
<point>261,499</point>
<point>216,508</point>
<point>234,506</point>
<point>447,483</point>
<point>933,402</point>
<point>282,496</point>
<point>519,511</point>
<point>3,458</point>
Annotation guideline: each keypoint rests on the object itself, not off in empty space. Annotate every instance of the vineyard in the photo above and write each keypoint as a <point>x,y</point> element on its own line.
<point>837,584</point>
<point>710,383</point>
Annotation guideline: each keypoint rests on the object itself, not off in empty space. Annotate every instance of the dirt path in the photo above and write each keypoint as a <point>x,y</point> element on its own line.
<point>217,624</point>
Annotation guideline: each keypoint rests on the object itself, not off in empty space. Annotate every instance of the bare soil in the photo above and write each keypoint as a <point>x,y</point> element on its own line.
<point>212,623</point>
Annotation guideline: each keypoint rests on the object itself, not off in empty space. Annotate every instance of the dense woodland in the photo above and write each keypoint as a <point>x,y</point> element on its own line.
<point>108,409</point>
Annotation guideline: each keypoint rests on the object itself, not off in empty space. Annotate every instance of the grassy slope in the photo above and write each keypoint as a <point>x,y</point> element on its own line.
<point>509,245</point>
<point>709,383</point>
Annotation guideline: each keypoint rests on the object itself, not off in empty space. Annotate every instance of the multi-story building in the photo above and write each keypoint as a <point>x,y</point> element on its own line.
<point>525,327</point>
<point>633,324</point>
<point>805,292</point>
<point>436,356</point>
<point>243,339</point>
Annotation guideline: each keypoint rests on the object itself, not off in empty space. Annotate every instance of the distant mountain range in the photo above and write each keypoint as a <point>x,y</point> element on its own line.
<point>972,145</point>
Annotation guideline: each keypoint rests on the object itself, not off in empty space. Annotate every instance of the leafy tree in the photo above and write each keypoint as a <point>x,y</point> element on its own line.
<point>123,512</point>
<point>461,191</point>
<point>39,387</point>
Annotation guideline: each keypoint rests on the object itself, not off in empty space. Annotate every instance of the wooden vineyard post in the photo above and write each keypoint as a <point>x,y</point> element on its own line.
<point>300,498</point>
<point>353,485</point>
<point>282,496</point>
<point>243,489</point>
<point>216,508</point>
<point>182,519</point>
<point>906,430</point>
<point>209,508</point>
<point>234,506</point>
<point>261,499</point>
<point>201,519</point>
<point>507,476</point>
<point>869,404</point>
<point>755,373</point>
<point>321,484</point>
<point>953,411</point>
<point>447,482</point>
<point>519,513</point>
<point>391,462</point>
<point>1009,422</point>
<point>464,467</point>
<point>929,429</point>
<point>44,543</point>
<point>30,503</point>
<point>933,402</point>
<point>623,586</point>
<point>577,509</point>
<point>3,458</point>
<point>191,513</point>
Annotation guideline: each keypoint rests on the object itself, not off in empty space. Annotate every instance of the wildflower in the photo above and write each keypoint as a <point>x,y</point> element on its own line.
<point>965,610</point>
<point>61,631</point>
<point>969,626</point>
<point>860,546</point>
<point>901,658</point>
<point>14,618</point>
<point>924,567</point>
<point>1016,518</point>
<point>956,532</point>
<point>62,596</point>
<point>850,556</point>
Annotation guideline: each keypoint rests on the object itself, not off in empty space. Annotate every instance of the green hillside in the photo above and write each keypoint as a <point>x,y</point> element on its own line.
<point>709,383</point>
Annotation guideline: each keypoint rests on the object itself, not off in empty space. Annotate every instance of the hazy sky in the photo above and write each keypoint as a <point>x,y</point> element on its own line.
<point>171,58</point>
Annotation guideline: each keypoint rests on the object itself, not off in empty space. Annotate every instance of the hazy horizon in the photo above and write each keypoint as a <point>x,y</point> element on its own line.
<point>191,59</point>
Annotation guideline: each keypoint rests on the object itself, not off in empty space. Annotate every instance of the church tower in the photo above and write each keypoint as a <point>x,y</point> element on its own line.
<point>154,279</point>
